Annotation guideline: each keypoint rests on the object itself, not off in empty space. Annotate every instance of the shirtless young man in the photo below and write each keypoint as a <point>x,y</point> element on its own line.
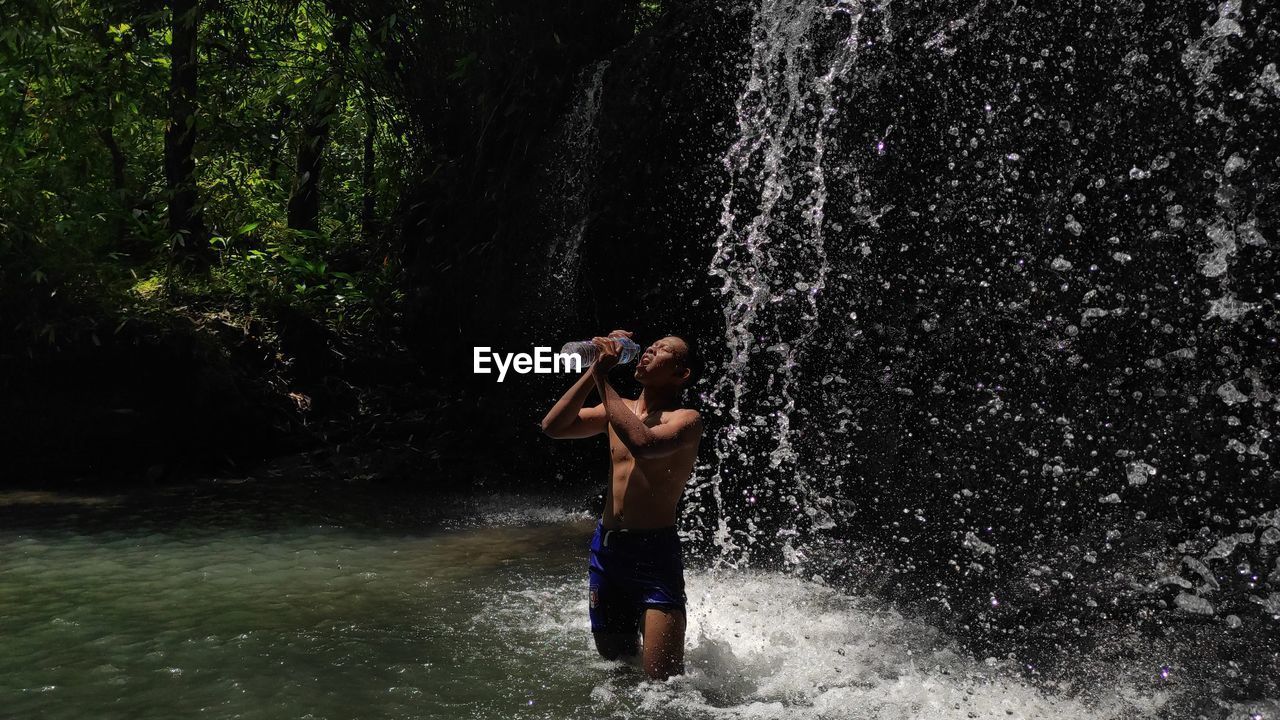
<point>637,575</point>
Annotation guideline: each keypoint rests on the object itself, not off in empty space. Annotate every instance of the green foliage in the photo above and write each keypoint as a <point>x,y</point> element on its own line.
<point>304,271</point>
<point>451,98</point>
<point>83,107</point>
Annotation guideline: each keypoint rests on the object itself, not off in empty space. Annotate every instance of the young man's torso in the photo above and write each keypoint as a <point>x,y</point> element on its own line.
<point>645,493</point>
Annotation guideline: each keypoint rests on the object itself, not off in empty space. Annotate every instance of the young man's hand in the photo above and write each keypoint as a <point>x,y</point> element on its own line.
<point>608,354</point>
<point>610,350</point>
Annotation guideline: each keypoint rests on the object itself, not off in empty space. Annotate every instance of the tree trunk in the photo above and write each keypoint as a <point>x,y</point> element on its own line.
<point>119,187</point>
<point>186,217</point>
<point>304,199</point>
<point>368,225</point>
<point>276,164</point>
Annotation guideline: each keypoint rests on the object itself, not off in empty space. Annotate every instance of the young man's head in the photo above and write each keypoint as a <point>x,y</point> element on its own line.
<point>666,362</point>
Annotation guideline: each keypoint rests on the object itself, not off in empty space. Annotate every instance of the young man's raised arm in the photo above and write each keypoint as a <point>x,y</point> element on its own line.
<point>641,440</point>
<point>568,419</point>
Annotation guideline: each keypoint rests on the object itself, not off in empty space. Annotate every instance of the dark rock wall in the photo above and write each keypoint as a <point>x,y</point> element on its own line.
<point>1049,322</point>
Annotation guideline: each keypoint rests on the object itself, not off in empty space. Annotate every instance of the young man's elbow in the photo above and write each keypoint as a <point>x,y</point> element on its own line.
<point>550,431</point>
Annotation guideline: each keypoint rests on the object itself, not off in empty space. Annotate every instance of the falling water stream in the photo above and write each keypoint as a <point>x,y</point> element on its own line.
<point>571,176</point>
<point>772,252</point>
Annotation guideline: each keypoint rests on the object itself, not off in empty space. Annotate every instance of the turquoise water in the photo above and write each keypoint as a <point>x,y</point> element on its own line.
<point>248,604</point>
<point>294,620</point>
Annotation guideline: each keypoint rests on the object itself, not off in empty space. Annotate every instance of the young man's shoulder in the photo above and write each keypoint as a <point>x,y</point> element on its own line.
<point>687,416</point>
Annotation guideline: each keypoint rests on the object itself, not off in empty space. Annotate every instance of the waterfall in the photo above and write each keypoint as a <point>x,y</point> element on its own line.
<point>996,331</point>
<point>771,255</point>
<point>998,293</point>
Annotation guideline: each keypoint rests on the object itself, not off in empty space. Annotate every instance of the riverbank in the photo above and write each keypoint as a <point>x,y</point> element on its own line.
<point>179,393</point>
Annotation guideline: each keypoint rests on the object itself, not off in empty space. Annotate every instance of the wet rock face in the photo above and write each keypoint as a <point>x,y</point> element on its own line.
<point>963,270</point>
<point>663,115</point>
<point>1032,250</point>
<point>978,271</point>
<point>664,120</point>
<point>661,119</point>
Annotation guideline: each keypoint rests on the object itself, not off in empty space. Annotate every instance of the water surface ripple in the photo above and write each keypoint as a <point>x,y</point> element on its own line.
<point>481,613</point>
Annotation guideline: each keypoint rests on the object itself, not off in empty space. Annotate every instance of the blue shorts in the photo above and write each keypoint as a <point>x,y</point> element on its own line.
<point>631,571</point>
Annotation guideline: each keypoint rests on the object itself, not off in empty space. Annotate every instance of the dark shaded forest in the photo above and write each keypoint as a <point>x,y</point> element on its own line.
<point>234,229</point>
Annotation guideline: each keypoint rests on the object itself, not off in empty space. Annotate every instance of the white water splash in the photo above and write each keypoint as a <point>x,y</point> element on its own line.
<point>764,645</point>
<point>1229,308</point>
<point>1202,56</point>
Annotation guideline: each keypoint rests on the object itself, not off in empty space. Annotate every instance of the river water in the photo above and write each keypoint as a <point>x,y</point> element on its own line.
<point>254,602</point>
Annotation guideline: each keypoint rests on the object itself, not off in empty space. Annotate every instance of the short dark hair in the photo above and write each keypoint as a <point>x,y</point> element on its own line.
<point>690,360</point>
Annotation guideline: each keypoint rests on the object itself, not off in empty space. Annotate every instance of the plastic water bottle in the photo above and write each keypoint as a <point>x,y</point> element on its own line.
<point>629,350</point>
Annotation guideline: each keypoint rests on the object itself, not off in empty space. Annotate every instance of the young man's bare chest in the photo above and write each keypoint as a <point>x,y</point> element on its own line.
<point>618,451</point>
<point>647,490</point>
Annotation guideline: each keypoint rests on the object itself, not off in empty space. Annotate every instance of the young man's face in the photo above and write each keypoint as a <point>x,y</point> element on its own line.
<point>665,362</point>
